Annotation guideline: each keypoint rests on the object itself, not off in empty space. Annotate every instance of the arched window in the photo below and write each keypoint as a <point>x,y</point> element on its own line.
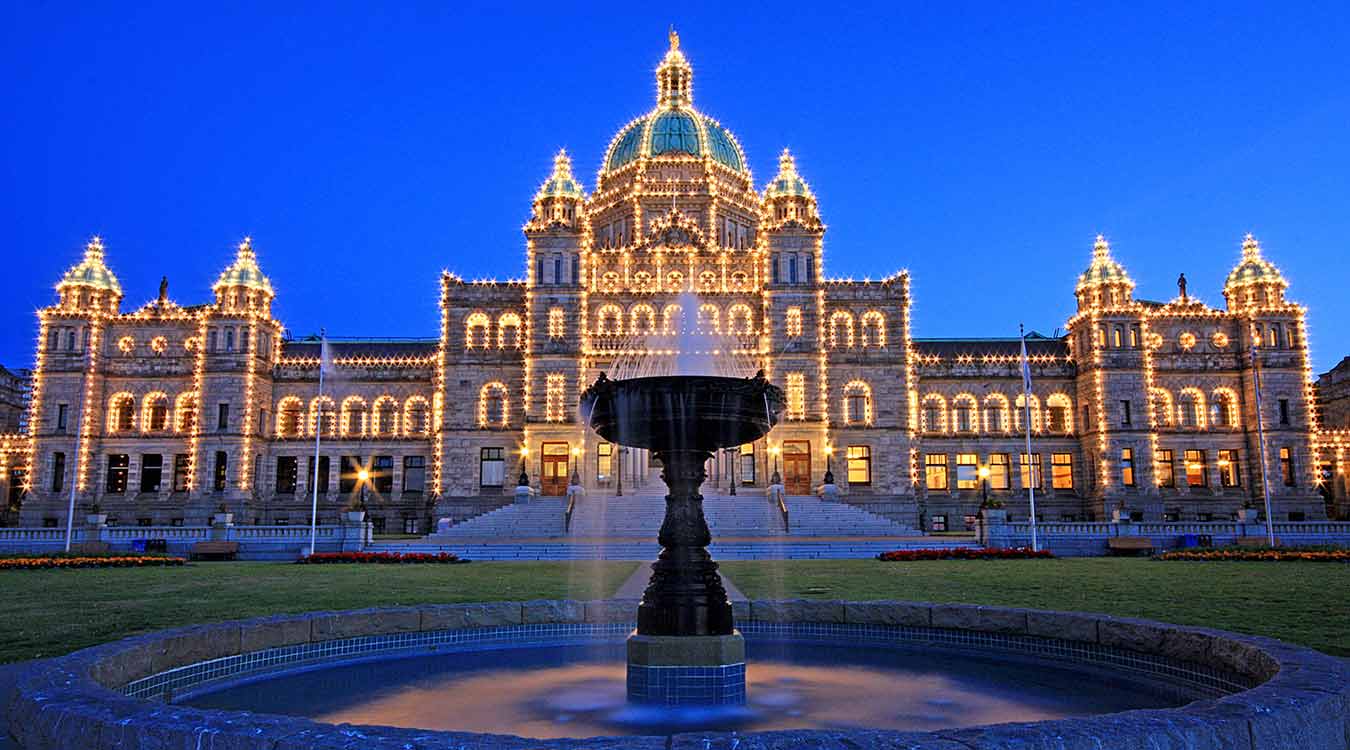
<point>709,319</point>
<point>996,413</point>
<point>740,320</point>
<point>1160,400</point>
<point>934,413</point>
<point>792,322</point>
<point>322,417</point>
<point>740,281</point>
<point>609,321</point>
<point>964,413</point>
<point>841,329</point>
<point>384,415</point>
<point>796,396</point>
<point>674,281</point>
<point>857,403</point>
<point>353,417</point>
<point>121,413</point>
<point>1059,413</point>
<point>644,282</point>
<point>642,320</point>
<point>416,417</point>
<point>609,282</point>
<point>1020,410</point>
<point>672,320</point>
<point>476,335</point>
<point>288,417</point>
<point>185,413</point>
<point>508,331</point>
<point>155,412</point>
<point>557,323</point>
<point>493,406</point>
<point>873,329</point>
<point>1223,408</point>
<point>707,281</point>
<point>1191,408</point>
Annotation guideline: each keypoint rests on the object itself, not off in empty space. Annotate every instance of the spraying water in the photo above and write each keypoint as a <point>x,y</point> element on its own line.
<point>690,339</point>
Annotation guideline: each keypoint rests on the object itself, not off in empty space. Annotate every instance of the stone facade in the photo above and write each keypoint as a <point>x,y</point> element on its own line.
<point>166,413</point>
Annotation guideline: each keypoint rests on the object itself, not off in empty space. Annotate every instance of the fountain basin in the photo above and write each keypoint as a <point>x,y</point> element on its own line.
<point>682,412</point>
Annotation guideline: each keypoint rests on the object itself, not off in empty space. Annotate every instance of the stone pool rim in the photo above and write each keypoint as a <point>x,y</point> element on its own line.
<point>1302,699</point>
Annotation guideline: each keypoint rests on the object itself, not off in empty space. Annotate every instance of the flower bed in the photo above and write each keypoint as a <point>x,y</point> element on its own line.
<point>394,558</point>
<point>1261,554</point>
<point>103,561</point>
<point>961,553</point>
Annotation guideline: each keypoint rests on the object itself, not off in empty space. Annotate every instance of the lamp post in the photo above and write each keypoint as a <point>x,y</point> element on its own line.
<point>984,487</point>
<point>524,480</point>
<point>731,463</point>
<point>829,465</point>
<point>363,479</point>
<point>618,474</point>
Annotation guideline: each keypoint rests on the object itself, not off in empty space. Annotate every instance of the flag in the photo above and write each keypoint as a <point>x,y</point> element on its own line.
<point>1026,367</point>
<point>325,356</point>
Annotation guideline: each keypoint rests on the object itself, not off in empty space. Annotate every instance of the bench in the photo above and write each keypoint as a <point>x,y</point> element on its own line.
<point>1254,541</point>
<point>90,548</point>
<point>214,551</point>
<point>1129,545</point>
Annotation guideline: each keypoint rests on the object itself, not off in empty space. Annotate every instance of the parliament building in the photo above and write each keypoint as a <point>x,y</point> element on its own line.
<point>169,412</point>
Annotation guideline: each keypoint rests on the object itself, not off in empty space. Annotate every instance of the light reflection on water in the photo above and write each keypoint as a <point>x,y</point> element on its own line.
<point>574,691</point>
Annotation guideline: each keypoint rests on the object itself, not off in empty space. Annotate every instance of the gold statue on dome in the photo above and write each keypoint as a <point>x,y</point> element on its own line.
<point>674,38</point>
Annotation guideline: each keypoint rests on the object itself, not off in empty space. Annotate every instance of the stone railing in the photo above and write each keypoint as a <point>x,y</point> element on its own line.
<point>257,542</point>
<point>1267,695</point>
<point>1089,538</point>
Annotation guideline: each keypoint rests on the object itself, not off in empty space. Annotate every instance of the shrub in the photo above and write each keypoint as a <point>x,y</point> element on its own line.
<point>103,561</point>
<point>386,558</point>
<point>1260,554</point>
<point>962,553</point>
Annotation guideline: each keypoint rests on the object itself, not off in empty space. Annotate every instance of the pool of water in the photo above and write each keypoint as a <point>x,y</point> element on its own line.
<point>578,691</point>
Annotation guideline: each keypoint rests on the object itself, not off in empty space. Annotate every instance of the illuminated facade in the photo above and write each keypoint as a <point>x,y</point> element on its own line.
<point>163,414</point>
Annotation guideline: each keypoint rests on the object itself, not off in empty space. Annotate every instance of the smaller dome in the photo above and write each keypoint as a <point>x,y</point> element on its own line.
<point>1254,269</point>
<point>1104,269</point>
<point>244,272</point>
<point>561,184</point>
<point>91,272</point>
<point>788,182</point>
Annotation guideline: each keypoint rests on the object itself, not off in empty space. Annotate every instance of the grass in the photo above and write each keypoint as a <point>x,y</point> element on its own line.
<point>51,612</point>
<point>1306,603</point>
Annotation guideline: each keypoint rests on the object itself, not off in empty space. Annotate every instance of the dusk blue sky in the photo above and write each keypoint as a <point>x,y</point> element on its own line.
<point>980,145</point>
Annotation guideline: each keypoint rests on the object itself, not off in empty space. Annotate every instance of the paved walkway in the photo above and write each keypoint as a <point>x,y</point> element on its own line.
<point>9,673</point>
<point>637,583</point>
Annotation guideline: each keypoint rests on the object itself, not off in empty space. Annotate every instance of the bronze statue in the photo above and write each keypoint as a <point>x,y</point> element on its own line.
<point>163,289</point>
<point>1181,284</point>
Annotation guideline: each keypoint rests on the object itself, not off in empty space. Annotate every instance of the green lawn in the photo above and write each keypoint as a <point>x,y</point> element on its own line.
<point>50,612</point>
<point>1307,603</point>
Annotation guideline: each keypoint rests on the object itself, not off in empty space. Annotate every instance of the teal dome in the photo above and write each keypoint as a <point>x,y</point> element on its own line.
<point>675,131</point>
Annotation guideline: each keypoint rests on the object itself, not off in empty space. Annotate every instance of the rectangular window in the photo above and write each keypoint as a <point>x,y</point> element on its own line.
<point>604,461</point>
<point>1229,475</point>
<point>1061,471</point>
<point>117,473</point>
<point>1127,466</point>
<point>935,471</point>
<point>999,466</point>
<point>222,461</point>
<point>152,472</point>
<point>1030,469</point>
<point>347,468</point>
<point>810,269</point>
<point>557,269</point>
<point>963,424</point>
<point>1284,411</point>
<point>792,269</point>
<point>211,340</point>
<point>939,522</point>
<point>747,464</point>
<point>491,467</point>
<point>967,471</point>
<point>229,339</point>
<point>180,473</point>
<point>62,411</point>
<point>1196,473</point>
<point>796,395</point>
<point>288,469</point>
<point>322,480</point>
<point>1287,467</point>
<point>1125,412</point>
<point>414,475</point>
<point>859,465</point>
<point>58,471</point>
<point>382,475</point>
<point>410,524</point>
<point>222,417</point>
<point>1164,465</point>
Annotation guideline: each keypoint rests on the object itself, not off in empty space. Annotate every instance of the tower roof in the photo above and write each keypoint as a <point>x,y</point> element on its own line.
<point>91,272</point>
<point>1104,269</point>
<point>244,272</point>
<point>561,184</point>
<point>788,182</point>
<point>1253,268</point>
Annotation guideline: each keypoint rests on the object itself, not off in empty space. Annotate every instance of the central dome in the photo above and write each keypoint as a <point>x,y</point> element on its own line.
<point>674,128</point>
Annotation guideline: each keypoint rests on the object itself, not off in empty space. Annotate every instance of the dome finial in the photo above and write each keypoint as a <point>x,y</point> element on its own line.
<point>94,250</point>
<point>561,184</point>
<point>674,77</point>
<point>674,38</point>
<point>1251,249</point>
<point>1101,248</point>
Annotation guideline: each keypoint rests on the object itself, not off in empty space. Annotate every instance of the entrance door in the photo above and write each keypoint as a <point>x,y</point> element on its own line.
<point>797,467</point>
<point>553,480</point>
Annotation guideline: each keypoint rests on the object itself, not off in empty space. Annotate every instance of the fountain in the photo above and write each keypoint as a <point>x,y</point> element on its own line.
<point>686,648</point>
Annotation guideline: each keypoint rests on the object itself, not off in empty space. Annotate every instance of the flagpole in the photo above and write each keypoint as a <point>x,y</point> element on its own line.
<point>1026,403</point>
<point>318,432</point>
<point>1261,437</point>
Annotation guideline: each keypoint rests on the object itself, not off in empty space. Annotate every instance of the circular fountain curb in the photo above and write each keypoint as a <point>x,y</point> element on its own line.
<point>1302,701</point>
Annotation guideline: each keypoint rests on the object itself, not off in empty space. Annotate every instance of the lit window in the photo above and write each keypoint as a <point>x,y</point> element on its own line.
<point>859,465</point>
<point>1061,471</point>
<point>796,396</point>
<point>1127,467</point>
<point>793,322</point>
<point>1030,470</point>
<point>998,471</point>
<point>1196,474</point>
<point>1229,475</point>
<point>1287,467</point>
<point>935,471</point>
<point>1165,468</point>
<point>967,471</point>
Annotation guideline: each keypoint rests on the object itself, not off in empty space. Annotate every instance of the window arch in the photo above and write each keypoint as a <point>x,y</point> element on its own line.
<point>609,282</point>
<point>1191,408</point>
<point>384,417</point>
<point>740,320</point>
<point>288,417</point>
<point>493,406</point>
<point>934,413</point>
<point>674,281</point>
<point>416,417</point>
<point>873,329</point>
<point>792,322</point>
<point>1019,413</point>
<point>1160,399</point>
<point>354,420</point>
<point>642,319</point>
<point>322,417</point>
<point>857,403</point>
<point>672,320</point>
<point>1223,408</point>
<point>709,319</point>
<point>740,281</point>
<point>841,319</point>
<point>707,281</point>
<point>965,413</point>
<point>508,331</point>
<point>609,320</point>
<point>185,412</point>
<point>121,413</point>
<point>1059,413</point>
<point>155,412</point>
<point>476,333</point>
<point>996,413</point>
<point>643,282</point>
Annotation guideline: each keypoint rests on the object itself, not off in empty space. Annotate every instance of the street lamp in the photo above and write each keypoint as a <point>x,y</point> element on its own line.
<point>363,479</point>
<point>618,474</point>
<point>731,462</point>
<point>829,465</point>
<point>984,487</point>
<point>524,480</point>
<point>576,466</point>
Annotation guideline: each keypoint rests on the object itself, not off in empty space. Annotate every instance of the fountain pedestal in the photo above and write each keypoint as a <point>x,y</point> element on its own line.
<point>686,670</point>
